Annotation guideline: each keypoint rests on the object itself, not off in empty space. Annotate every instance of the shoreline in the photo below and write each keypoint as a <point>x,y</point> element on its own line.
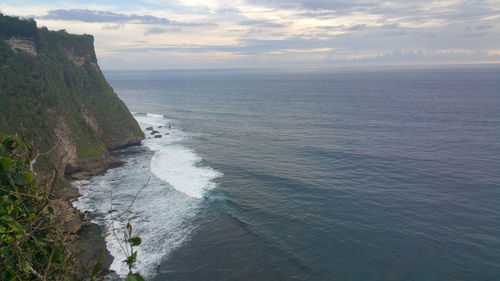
<point>88,237</point>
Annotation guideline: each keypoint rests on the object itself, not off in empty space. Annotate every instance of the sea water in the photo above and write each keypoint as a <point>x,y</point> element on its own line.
<point>388,175</point>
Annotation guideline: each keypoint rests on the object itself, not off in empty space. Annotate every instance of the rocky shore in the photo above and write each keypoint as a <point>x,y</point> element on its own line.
<point>85,237</point>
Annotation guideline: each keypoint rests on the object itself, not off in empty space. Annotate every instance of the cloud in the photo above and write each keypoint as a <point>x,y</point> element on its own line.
<point>356,27</point>
<point>113,26</point>
<point>414,11</point>
<point>280,32</point>
<point>95,16</point>
<point>155,30</point>
<point>262,23</point>
<point>160,30</point>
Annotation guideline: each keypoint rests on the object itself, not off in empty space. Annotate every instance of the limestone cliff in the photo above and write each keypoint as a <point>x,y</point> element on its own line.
<point>51,83</point>
<point>51,88</point>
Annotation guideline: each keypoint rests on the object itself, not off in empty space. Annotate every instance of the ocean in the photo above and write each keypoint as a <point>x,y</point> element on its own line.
<point>269,175</point>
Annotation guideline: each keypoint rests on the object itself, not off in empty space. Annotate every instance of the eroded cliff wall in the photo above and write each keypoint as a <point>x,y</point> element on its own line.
<point>50,83</point>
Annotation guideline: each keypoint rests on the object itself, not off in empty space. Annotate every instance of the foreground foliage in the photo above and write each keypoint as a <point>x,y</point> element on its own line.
<point>31,248</point>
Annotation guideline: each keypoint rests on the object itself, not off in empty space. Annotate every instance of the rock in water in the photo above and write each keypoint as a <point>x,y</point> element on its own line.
<point>149,128</point>
<point>157,136</point>
<point>154,132</point>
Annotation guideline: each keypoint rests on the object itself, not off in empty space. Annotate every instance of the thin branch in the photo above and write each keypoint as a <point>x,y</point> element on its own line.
<point>137,194</point>
<point>41,154</point>
<point>18,193</point>
<point>49,264</point>
<point>35,272</point>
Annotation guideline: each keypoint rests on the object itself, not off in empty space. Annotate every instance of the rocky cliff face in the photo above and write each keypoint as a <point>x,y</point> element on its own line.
<point>52,91</point>
<point>25,44</point>
<point>51,83</point>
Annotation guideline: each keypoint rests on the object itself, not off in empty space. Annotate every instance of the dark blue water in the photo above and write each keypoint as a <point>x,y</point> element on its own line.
<point>335,176</point>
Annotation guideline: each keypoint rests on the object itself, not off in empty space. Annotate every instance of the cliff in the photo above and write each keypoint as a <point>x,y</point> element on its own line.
<point>51,84</point>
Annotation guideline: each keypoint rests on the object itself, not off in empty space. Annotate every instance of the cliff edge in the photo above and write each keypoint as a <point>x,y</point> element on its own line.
<point>51,83</point>
<point>52,87</point>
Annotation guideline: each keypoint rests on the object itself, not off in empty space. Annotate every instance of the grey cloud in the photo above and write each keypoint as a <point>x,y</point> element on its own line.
<point>159,30</point>
<point>406,48</point>
<point>112,26</point>
<point>428,56</point>
<point>262,23</point>
<point>460,11</point>
<point>86,15</point>
<point>94,16</point>
<point>356,27</point>
<point>228,11</point>
<point>248,47</point>
<point>317,5</point>
<point>390,26</point>
<point>479,27</point>
<point>155,30</point>
<point>328,27</point>
<point>396,55</point>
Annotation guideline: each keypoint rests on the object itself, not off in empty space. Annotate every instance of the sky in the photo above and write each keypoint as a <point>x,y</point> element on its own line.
<point>173,34</point>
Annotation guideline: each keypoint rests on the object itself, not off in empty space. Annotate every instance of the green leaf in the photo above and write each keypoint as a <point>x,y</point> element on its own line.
<point>50,210</point>
<point>9,274</point>
<point>134,277</point>
<point>19,180</point>
<point>28,177</point>
<point>16,227</point>
<point>5,203</point>
<point>135,241</point>
<point>58,255</point>
<point>131,259</point>
<point>6,218</point>
<point>5,163</point>
<point>3,251</point>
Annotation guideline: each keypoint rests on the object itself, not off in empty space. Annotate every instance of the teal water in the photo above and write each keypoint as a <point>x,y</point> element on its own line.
<point>311,176</point>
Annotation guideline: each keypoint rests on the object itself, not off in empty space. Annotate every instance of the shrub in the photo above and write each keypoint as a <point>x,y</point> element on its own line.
<point>31,248</point>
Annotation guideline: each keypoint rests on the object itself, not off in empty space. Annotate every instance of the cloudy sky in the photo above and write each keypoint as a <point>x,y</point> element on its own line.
<point>153,34</point>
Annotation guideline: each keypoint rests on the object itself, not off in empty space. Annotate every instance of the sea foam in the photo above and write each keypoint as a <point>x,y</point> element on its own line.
<point>177,166</point>
<point>163,211</point>
<point>173,163</point>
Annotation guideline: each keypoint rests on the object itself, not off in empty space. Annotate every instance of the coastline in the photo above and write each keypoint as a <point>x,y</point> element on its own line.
<point>87,237</point>
<point>171,169</point>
